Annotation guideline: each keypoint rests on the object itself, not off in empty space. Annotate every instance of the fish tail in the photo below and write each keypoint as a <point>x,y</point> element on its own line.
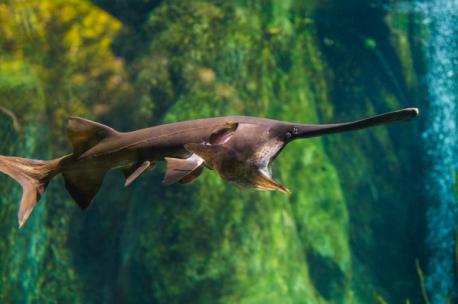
<point>33,175</point>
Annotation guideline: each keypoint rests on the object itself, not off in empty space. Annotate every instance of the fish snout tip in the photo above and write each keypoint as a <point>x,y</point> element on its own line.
<point>406,114</point>
<point>413,112</point>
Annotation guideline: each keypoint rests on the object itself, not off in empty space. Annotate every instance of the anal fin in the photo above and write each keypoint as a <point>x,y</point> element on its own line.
<point>83,186</point>
<point>183,170</point>
<point>133,172</point>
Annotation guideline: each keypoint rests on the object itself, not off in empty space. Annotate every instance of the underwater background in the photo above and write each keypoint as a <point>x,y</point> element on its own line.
<point>372,217</point>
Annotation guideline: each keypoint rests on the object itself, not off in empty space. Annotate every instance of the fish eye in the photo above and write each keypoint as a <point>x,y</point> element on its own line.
<point>295,131</point>
<point>288,135</point>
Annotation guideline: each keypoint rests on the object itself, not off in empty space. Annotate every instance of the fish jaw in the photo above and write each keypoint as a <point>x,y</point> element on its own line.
<point>253,173</point>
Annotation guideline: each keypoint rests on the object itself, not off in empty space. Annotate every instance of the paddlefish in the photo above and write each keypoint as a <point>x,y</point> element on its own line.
<point>239,148</point>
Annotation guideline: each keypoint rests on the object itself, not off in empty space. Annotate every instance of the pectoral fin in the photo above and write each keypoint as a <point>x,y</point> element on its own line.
<point>209,153</point>
<point>136,170</point>
<point>183,170</point>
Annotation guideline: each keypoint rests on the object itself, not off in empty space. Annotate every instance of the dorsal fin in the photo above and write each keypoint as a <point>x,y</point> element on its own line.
<point>84,134</point>
<point>211,154</point>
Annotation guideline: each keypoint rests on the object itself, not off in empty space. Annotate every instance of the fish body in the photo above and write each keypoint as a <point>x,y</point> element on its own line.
<point>239,148</point>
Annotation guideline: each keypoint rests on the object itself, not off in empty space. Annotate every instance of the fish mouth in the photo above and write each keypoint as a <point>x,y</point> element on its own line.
<point>262,179</point>
<point>257,178</point>
<point>274,156</point>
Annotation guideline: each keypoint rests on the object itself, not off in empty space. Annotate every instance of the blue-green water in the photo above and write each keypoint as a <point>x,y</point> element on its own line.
<point>366,207</point>
<point>440,138</point>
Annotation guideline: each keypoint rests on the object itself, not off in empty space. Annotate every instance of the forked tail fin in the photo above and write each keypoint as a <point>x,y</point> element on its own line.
<point>33,175</point>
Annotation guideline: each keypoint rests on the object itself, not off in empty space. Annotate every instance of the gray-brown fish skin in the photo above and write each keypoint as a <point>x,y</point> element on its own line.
<point>239,148</point>
<point>169,139</point>
<point>253,136</point>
